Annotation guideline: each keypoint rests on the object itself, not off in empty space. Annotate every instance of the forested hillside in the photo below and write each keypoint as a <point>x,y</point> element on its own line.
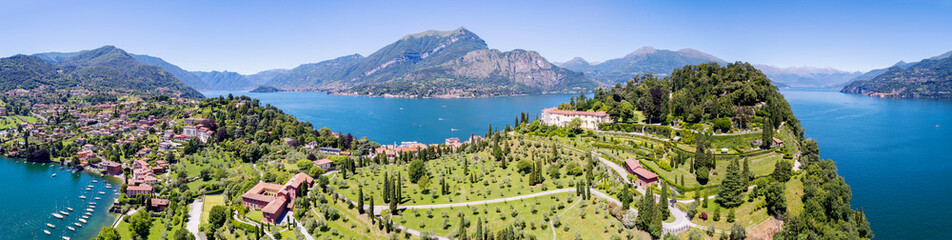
<point>107,68</point>
<point>712,98</point>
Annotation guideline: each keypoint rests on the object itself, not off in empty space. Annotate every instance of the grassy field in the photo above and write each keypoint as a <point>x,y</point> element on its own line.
<point>209,202</point>
<point>350,225</point>
<point>532,212</point>
<point>492,181</point>
<point>155,232</point>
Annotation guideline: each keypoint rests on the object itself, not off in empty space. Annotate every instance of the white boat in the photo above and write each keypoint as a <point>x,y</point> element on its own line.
<point>82,197</point>
<point>46,231</point>
<point>65,238</point>
<point>92,203</point>
<point>108,186</point>
<point>85,216</point>
<point>95,181</point>
<point>89,186</point>
<point>82,220</point>
<point>102,193</point>
<point>78,225</point>
<point>54,175</point>
<point>89,189</point>
<point>71,228</point>
<point>70,209</point>
<point>96,198</point>
<point>64,213</point>
<point>57,215</point>
<point>88,213</point>
<point>89,209</point>
<point>50,225</point>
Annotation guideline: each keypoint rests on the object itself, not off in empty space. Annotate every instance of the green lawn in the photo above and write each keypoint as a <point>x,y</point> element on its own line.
<point>492,180</point>
<point>495,216</point>
<point>255,215</point>
<point>155,232</point>
<point>209,202</point>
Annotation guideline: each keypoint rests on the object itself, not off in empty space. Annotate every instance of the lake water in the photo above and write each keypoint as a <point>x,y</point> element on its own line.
<point>894,153</point>
<point>31,196</point>
<point>389,120</point>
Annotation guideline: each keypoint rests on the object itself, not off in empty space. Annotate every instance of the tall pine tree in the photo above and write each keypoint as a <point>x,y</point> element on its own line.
<point>731,189</point>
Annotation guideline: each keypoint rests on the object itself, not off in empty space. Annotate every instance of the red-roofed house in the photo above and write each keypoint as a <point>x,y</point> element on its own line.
<point>561,118</point>
<point>158,204</point>
<point>132,191</point>
<point>324,163</point>
<point>645,178</point>
<point>274,199</point>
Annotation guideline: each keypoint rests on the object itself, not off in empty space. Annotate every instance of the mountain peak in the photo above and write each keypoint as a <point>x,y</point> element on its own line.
<point>438,33</point>
<point>643,51</point>
<point>943,56</point>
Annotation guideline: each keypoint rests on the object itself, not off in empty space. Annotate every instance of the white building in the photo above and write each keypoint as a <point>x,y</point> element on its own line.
<point>561,118</point>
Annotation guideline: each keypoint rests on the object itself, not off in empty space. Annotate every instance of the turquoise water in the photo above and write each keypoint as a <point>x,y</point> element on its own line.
<point>891,152</point>
<point>389,120</point>
<point>30,196</point>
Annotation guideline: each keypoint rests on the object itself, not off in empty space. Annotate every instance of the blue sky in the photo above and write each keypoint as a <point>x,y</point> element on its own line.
<point>248,37</point>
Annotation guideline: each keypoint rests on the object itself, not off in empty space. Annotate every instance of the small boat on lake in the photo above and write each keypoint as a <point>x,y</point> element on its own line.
<point>89,186</point>
<point>96,198</point>
<point>71,228</point>
<point>82,220</point>
<point>57,215</point>
<point>46,231</point>
<point>89,189</point>
<point>102,193</point>
<point>88,213</point>
<point>64,213</point>
<point>95,181</point>
<point>50,225</point>
<point>70,209</point>
<point>65,238</point>
<point>85,216</point>
<point>82,197</point>
<point>92,203</point>
<point>54,175</point>
<point>78,225</point>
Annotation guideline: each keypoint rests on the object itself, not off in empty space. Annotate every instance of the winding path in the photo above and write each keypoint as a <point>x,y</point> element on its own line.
<point>379,208</point>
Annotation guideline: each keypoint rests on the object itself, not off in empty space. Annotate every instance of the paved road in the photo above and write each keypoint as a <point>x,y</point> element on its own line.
<point>118,220</point>
<point>300,227</point>
<point>681,222</point>
<point>194,216</point>
<point>235,216</point>
<point>379,208</point>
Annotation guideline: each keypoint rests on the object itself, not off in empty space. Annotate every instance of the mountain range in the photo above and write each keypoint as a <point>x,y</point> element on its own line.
<point>455,63</point>
<point>929,78</point>
<point>108,68</point>
<point>436,63</point>
<point>642,61</point>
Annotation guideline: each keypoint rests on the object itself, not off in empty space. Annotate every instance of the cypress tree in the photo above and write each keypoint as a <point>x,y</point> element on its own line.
<point>746,175</point>
<point>479,230</point>
<point>663,201</point>
<point>370,214</point>
<point>461,233</point>
<point>399,186</point>
<point>360,198</point>
<point>767,133</point>
<point>386,187</point>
